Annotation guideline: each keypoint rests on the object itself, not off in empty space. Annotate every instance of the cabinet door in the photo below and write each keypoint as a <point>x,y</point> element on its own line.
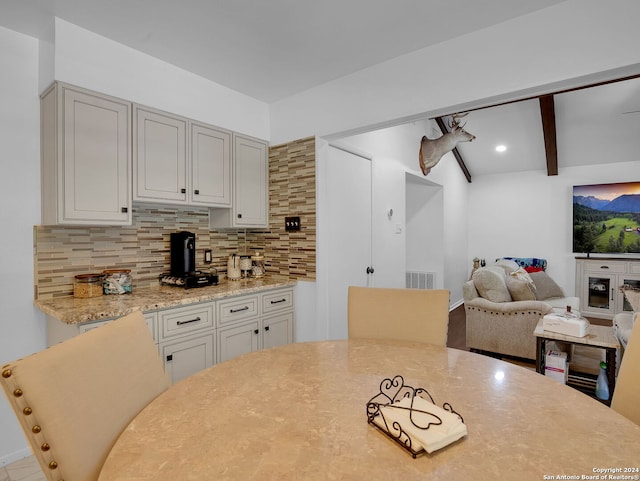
<point>186,356</point>
<point>159,157</point>
<point>94,159</point>
<point>237,340</point>
<point>210,166</point>
<point>250,182</point>
<point>630,280</point>
<point>598,294</point>
<point>277,330</point>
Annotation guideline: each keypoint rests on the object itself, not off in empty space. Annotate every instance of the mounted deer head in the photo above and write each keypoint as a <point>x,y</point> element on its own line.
<point>431,151</point>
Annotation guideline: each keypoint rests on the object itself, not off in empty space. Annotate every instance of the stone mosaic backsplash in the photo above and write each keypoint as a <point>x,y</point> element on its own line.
<point>61,252</point>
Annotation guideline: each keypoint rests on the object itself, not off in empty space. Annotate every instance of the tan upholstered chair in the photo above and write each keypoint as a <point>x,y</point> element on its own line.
<point>75,398</point>
<point>626,397</point>
<point>420,315</point>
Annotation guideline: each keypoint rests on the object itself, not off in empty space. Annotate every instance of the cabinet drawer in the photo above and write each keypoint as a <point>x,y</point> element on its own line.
<point>604,267</point>
<point>150,317</point>
<point>238,308</point>
<point>277,301</point>
<point>634,267</point>
<point>185,320</point>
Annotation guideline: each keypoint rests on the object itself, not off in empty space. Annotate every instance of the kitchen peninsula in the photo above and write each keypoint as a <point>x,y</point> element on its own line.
<point>193,328</point>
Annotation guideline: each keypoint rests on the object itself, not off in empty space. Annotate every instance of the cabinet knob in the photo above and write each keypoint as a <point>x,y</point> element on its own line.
<point>170,357</point>
<point>266,328</point>
<point>256,331</point>
<point>197,192</point>
<point>239,216</point>
<point>124,210</point>
<point>183,191</point>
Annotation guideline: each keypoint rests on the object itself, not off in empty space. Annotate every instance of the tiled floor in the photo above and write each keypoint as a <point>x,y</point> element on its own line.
<point>26,469</point>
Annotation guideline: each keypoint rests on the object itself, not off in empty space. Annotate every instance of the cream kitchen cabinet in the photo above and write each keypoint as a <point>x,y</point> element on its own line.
<point>250,187</point>
<point>255,321</point>
<point>85,157</point>
<point>598,282</point>
<point>185,356</point>
<point>179,161</point>
<point>59,331</point>
<point>187,339</point>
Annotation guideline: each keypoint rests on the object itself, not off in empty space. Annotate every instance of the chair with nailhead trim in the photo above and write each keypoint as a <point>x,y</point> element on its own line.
<point>74,399</point>
<point>626,397</point>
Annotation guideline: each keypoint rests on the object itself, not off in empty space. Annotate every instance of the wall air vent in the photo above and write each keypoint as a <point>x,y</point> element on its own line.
<point>420,280</point>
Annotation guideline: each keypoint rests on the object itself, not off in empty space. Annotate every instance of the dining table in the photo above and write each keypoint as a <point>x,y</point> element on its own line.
<point>299,412</point>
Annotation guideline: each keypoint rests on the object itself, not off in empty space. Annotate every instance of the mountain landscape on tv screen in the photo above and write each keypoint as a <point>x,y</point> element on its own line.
<point>606,225</point>
<point>624,203</point>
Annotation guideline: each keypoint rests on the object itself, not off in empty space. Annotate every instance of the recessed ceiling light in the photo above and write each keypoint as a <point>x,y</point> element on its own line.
<point>501,148</point>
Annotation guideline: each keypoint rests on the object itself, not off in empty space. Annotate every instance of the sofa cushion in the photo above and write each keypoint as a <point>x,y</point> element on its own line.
<point>545,286</point>
<point>491,284</point>
<point>521,290</point>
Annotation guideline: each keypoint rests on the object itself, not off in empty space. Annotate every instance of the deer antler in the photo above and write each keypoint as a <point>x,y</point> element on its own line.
<point>455,120</point>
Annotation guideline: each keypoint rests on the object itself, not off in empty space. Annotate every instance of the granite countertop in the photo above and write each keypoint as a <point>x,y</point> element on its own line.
<point>72,310</point>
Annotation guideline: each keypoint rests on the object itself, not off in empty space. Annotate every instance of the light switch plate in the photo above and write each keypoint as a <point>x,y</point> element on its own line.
<point>292,223</point>
<point>207,256</point>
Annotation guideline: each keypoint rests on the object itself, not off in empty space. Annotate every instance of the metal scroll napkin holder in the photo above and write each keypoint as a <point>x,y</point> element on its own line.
<point>392,391</point>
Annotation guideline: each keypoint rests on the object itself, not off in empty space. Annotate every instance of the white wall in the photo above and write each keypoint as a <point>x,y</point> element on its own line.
<point>536,221</point>
<point>21,325</point>
<point>555,45</point>
<point>91,61</point>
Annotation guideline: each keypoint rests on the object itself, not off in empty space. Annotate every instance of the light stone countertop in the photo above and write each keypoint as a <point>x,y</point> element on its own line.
<point>72,310</point>
<point>298,412</point>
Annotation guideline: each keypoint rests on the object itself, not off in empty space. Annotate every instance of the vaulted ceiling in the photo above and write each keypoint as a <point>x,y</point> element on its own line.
<point>273,49</point>
<point>592,125</point>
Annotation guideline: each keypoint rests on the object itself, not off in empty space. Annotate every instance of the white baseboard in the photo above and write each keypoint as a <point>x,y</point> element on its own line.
<point>15,456</point>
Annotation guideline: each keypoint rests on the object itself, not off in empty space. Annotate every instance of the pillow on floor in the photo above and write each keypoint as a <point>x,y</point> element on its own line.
<point>491,284</point>
<point>545,286</point>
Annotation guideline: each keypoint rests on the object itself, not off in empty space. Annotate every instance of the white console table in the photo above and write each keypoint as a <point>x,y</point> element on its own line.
<point>598,282</point>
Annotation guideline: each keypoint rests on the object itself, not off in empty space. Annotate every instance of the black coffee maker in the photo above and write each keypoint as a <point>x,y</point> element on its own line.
<point>183,253</point>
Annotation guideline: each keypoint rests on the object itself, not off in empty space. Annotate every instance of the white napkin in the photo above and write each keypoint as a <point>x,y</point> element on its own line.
<point>436,436</point>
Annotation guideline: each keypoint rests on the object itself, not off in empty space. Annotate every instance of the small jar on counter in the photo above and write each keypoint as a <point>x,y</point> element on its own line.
<point>117,281</point>
<point>87,285</point>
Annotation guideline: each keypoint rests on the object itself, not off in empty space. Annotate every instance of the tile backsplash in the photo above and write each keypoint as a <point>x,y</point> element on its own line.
<point>61,252</point>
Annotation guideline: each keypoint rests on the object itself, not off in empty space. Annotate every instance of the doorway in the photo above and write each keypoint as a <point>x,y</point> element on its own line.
<point>424,240</point>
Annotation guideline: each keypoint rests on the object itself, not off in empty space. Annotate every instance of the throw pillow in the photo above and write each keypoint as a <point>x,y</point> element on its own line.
<point>522,274</point>
<point>521,290</point>
<point>509,266</point>
<point>545,286</point>
<point>491,284</point>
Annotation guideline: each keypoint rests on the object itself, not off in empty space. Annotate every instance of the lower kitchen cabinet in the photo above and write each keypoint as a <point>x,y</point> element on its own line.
<point>254,321</point>
<point>236,340</point>
<point>183,357</point>
<point>193,337</point>
<point>277,330</point>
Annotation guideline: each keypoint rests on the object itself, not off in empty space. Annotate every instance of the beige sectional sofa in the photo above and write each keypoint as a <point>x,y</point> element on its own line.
<point>503,303</point>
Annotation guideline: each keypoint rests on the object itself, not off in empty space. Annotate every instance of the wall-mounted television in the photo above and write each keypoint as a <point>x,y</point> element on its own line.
<point>606,218</point>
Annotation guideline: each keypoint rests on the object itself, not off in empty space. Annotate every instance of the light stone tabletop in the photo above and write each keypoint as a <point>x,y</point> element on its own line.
<point>298,412</point>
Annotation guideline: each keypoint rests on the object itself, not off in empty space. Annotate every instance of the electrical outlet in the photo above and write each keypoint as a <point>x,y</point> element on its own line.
<point>207,256</point>
<point>292,223</point>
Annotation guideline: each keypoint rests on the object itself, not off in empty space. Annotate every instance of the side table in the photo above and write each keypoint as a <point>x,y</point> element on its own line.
<point>597,336</point>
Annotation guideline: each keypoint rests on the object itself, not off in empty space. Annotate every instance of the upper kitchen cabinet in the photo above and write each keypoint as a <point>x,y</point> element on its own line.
<point>159,156</point>
<point>250,192</point>
<point>210,166</point>
<point>179,161</point>
<point>86,157</point>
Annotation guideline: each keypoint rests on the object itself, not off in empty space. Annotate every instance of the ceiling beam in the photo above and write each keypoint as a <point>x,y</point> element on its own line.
<point>455,152</point>
<point>547,112</point>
